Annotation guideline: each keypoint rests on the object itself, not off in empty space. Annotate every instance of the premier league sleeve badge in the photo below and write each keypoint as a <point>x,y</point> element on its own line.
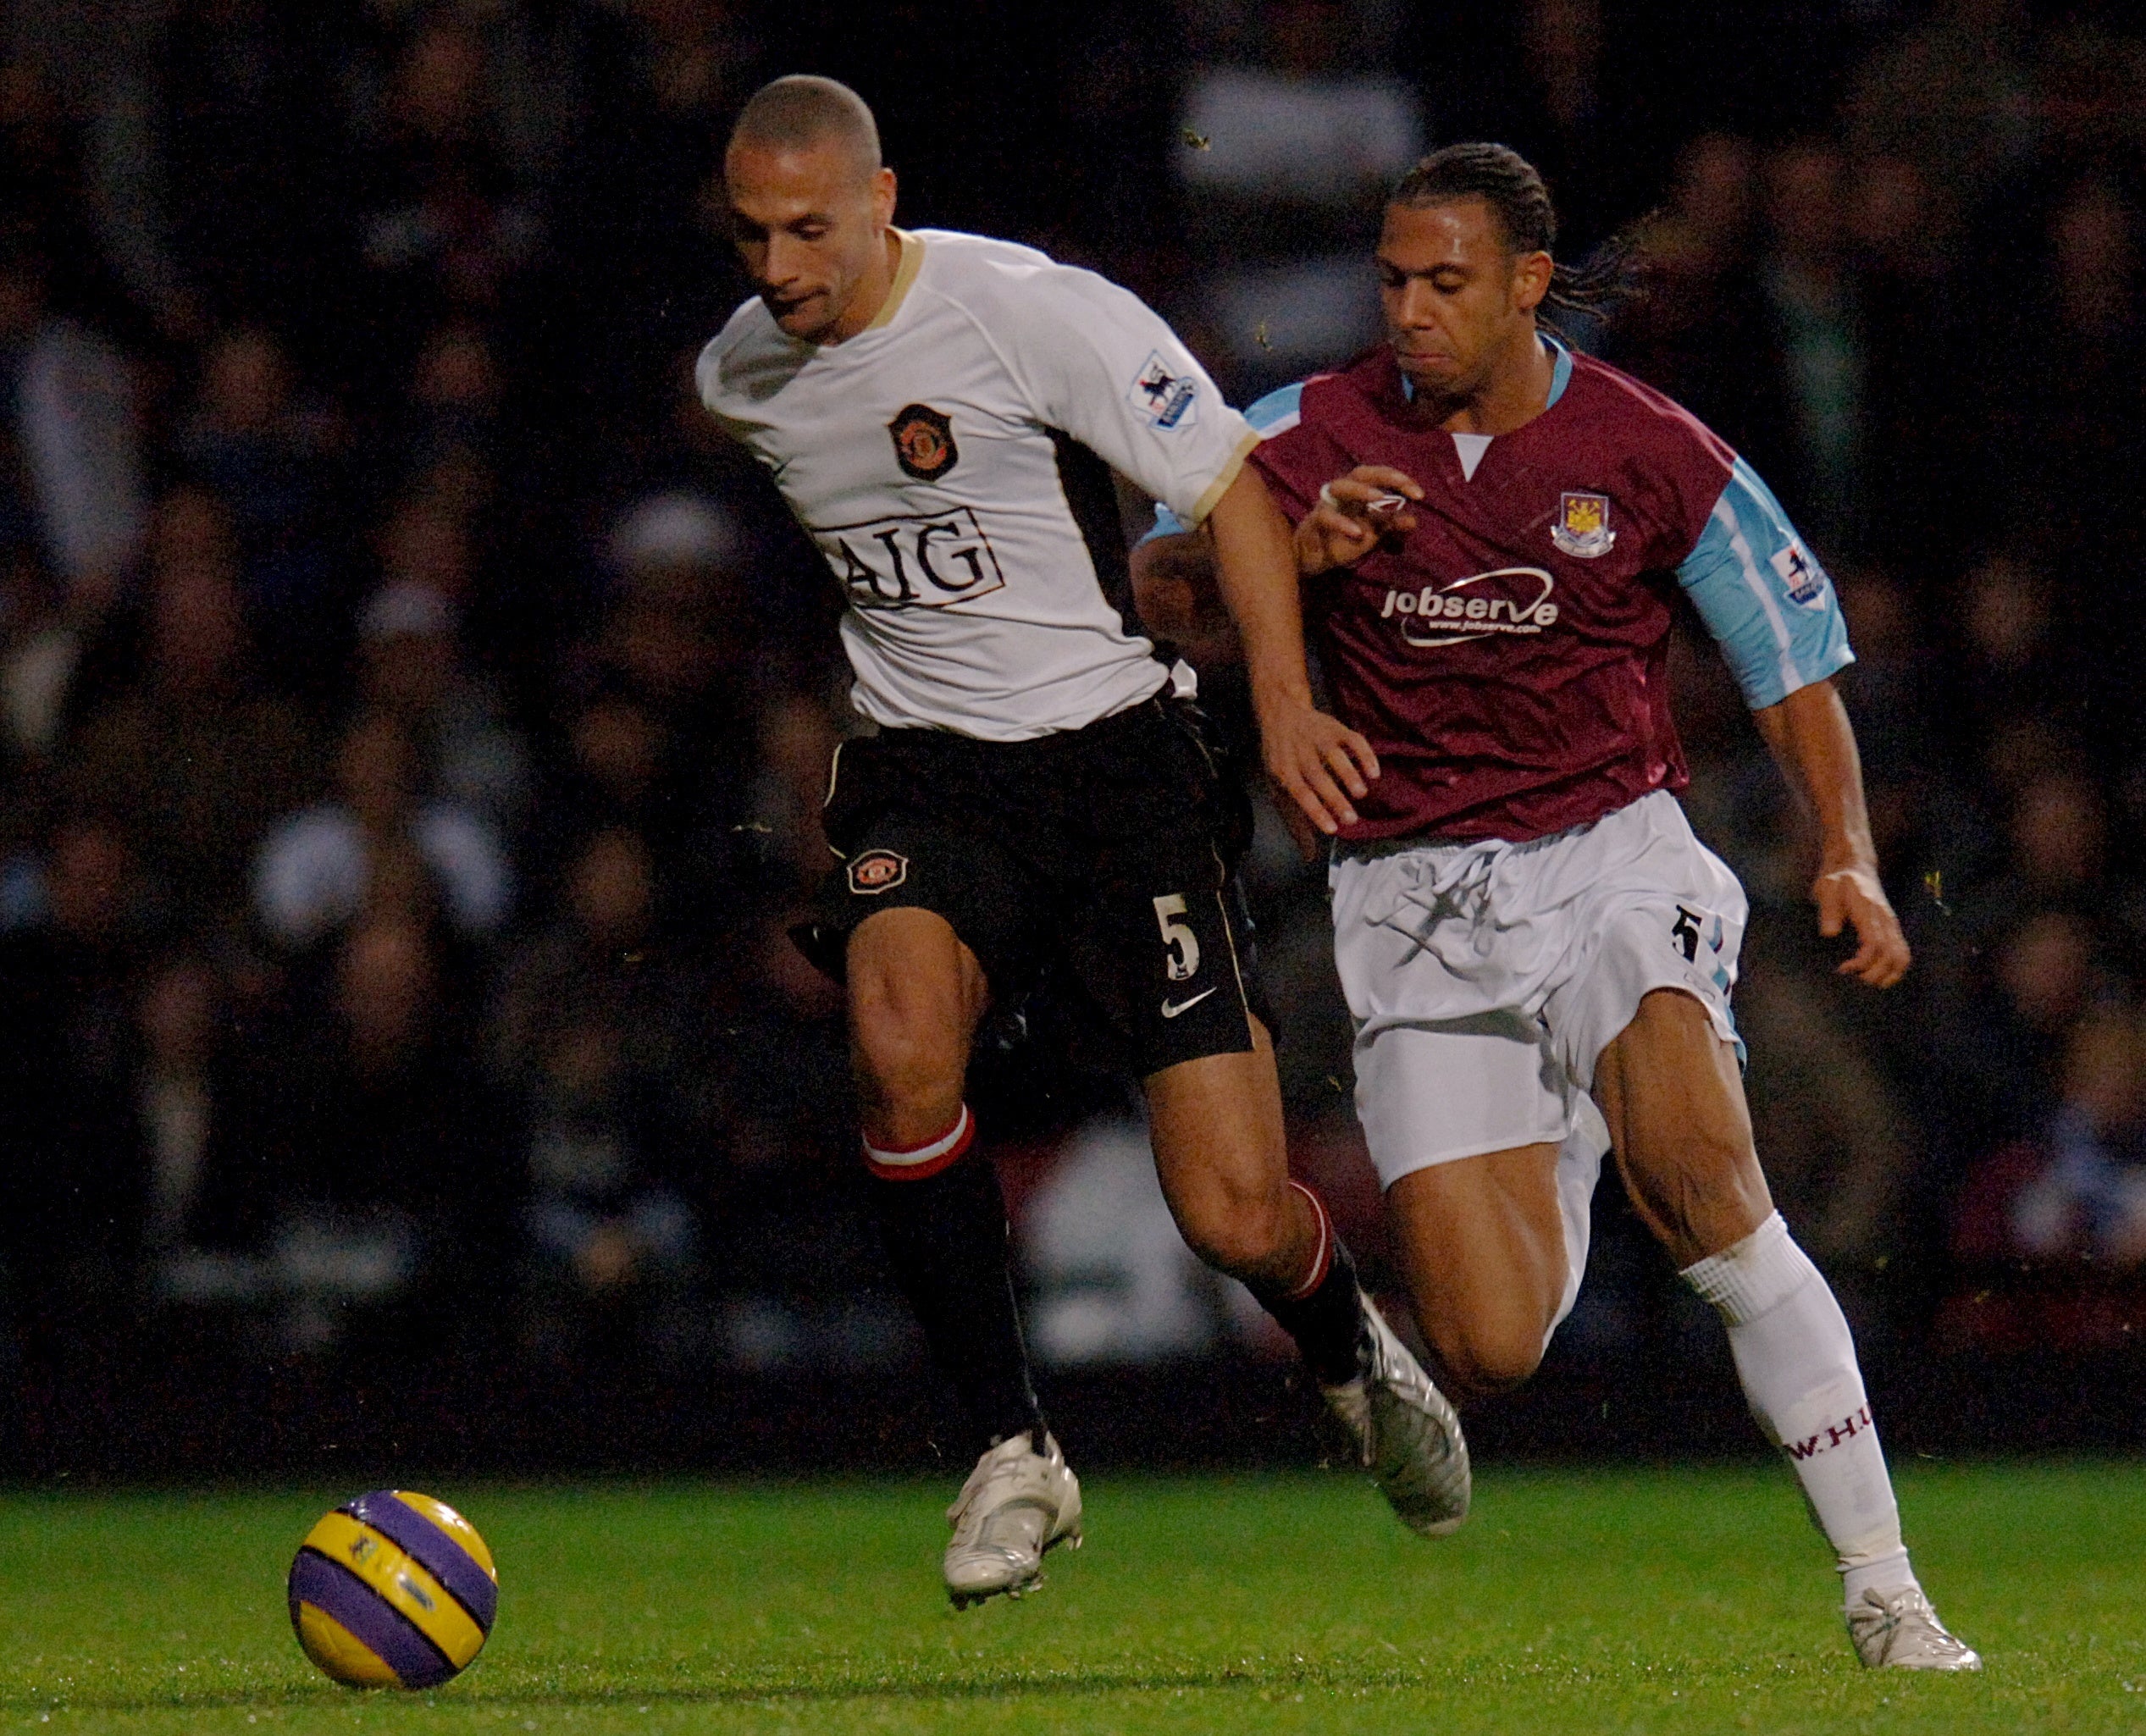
<point>1582,528</point>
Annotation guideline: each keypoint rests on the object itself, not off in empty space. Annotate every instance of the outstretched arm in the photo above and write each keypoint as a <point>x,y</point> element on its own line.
<point>1810,737</point>
<point>1320,763</point>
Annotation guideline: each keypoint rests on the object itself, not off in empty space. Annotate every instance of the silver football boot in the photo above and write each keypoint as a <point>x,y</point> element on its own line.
<point>1405,1432</point>
<point>1017,1505</point>
<point>1897,1630</point>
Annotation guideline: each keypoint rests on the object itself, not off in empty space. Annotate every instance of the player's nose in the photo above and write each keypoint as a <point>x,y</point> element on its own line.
<point>783,264</point>
<point>1417,301</point>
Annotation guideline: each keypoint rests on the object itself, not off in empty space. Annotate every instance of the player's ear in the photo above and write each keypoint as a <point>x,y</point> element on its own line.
<point>1530,281</point>
<point>882,196</point>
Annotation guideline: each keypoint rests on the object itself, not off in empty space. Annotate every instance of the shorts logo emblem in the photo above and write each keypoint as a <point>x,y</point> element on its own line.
<point>877,871</point>
<point>1172,1009</point>
<point>1162,398</point>
<point>923,441</point>
<point>1582,529</point>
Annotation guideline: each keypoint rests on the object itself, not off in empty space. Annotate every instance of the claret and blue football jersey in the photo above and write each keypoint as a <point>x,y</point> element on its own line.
<point>1507,658</point>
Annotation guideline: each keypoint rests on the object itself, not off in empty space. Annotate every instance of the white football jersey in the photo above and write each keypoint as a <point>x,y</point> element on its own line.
<point>933,459</point>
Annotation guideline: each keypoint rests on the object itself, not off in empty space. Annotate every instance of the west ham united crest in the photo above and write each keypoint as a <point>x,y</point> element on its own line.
<point>924,442</point>
<point>1583,527</point>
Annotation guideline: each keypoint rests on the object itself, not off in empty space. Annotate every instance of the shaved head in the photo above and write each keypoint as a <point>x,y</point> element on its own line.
<point>810,206</point>
<point>801,113</point>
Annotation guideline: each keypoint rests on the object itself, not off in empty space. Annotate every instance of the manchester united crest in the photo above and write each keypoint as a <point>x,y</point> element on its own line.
<point>1582,528</point>
<point>877,871</point>
<point>924,442</point>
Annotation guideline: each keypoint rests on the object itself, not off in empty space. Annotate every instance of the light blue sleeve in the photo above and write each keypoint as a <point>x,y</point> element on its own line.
<point>1277,412</point>
<point>1763,594</point>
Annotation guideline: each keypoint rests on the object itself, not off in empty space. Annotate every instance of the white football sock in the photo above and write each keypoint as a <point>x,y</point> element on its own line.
<point>1797,1361</point>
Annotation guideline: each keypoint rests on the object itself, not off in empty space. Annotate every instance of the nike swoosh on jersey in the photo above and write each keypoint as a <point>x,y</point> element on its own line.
<point>1172,1009</point>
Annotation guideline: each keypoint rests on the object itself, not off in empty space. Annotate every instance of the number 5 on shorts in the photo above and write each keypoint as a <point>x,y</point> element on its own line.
<point>1184,945</point>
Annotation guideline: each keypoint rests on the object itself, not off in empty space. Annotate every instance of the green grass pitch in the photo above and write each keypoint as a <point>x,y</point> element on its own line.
<point>1671,1599</point>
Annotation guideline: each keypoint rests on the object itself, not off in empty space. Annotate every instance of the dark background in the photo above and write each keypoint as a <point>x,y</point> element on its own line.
<point>412,720</point>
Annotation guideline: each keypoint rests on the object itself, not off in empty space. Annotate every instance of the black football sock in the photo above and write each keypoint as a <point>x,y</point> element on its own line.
<point>1322,1312</point>
<point>945,1234</point>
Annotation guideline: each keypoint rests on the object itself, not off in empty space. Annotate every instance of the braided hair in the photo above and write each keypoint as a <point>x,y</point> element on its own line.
<point>1504,180</point>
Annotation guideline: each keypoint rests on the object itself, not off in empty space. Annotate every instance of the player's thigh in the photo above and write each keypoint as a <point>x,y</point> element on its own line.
<point>1656,910</point>
<point>1672,1091</point>
<point>915,992</point>
<point>1481,1241</point>
<point>1431,1092</point>
<point>1645,1018</point>
<point>921,921</point>
<point>1156,932</point>
<point>1465,1120</point>
<point>917,824</point>
<point>1222,1154</point>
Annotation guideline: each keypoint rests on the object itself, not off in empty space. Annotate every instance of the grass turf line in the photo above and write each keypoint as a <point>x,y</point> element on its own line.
<point>1670,1600</point>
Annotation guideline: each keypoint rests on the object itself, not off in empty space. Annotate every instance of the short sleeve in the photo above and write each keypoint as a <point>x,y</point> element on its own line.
<point>1276,413</point>
<point>1103,366</point>
<point>1763,596</point>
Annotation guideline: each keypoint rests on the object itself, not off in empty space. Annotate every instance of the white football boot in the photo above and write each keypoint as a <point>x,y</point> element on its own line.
<point>1405,1432</point>
<point>1897,1630</point>
<point>1017,1505</point>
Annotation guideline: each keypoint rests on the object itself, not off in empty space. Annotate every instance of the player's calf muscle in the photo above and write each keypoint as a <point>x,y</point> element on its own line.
<point>1669,1089</point>
<point>1223,1160</point>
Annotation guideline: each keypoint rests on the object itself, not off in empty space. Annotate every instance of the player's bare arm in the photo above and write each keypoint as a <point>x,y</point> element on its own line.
<point>1810,737</point>
<point>1319,762</point>
<point>1173,594</point>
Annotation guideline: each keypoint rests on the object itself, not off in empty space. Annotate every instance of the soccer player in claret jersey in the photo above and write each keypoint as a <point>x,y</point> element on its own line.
<point>1537,951</point>
<point>939,411</point>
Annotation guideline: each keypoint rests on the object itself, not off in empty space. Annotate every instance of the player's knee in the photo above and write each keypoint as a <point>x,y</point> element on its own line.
<point>905,1054</point>
<point>910,1011</point>
<point>900,1056</point>
<point>1700,1192</point>
<point>1480,1358</point>
<point>1244,1233</point>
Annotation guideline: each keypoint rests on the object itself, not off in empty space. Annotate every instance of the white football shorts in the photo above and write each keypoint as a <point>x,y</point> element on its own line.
<point>1486,978</point>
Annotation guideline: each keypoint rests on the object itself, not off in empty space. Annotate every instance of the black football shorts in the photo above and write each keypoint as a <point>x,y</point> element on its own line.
<point>1098,861</point>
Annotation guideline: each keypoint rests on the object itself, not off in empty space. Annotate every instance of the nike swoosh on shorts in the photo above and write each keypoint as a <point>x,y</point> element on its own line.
<point>1170,1009</point>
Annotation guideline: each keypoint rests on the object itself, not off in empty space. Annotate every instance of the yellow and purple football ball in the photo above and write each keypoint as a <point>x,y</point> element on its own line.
<point>393,1591</point>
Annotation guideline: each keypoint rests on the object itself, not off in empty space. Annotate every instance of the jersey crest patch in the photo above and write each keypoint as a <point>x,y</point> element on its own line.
<point>1162,399</point>
<point>877,871</point>
<point>1582,528</point>
<point>923,441</point>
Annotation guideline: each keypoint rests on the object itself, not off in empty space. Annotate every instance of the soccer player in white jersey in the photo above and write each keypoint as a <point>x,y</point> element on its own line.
<point>1039,802</point>
<point>1538,953</point>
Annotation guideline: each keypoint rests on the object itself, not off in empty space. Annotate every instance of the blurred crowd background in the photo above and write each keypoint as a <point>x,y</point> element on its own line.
<point>413,719</point>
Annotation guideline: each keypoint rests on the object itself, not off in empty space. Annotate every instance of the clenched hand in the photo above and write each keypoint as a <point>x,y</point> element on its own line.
<point>1352,513</point>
